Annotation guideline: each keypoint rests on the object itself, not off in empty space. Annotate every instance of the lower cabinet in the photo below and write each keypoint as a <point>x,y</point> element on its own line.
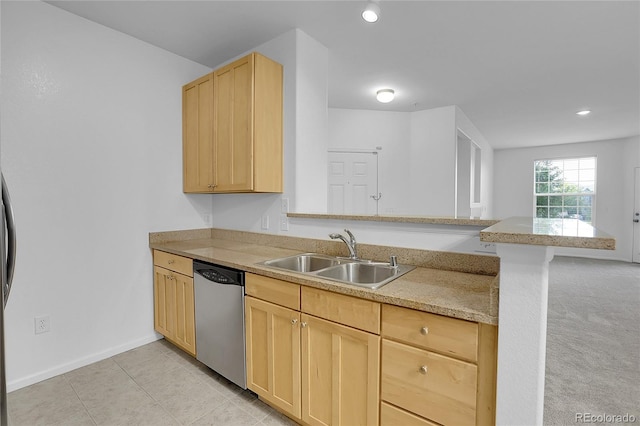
<point>173,301</point>
<point>339,374</point>
<point>314,370</point>
<point>273,353</point>
<point>436,369</point>
<point>324,358</point>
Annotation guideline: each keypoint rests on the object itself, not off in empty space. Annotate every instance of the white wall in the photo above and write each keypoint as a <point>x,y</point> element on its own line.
<point>432,163</point>
<point>91,149</point>
<point>513,187</point>
<point>312,132</point>
<point>486,179</point>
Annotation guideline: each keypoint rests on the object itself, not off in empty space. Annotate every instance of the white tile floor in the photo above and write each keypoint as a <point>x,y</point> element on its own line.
<point>156,384</point>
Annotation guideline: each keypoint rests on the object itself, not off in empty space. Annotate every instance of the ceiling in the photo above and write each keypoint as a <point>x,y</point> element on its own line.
<point>519,70</point>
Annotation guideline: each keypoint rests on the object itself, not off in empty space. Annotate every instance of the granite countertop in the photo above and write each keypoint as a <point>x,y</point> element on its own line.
<point>548,232</point>
<point>463,295</point>
<point>399,219</point>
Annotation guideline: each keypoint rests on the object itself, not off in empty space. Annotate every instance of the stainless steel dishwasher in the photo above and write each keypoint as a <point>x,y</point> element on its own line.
<point>219,306</point>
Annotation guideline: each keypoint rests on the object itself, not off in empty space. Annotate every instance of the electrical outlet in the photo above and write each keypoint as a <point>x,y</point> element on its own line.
<point>284,222</point>
<point>42,324</point>
<point>284,205</point>
<point>265,221</point>
<point>487,247</point>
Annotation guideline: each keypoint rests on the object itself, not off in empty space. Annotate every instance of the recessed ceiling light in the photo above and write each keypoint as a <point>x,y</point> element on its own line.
<point>385,95</point>
<point>584,112</point>
<point>371,12</point>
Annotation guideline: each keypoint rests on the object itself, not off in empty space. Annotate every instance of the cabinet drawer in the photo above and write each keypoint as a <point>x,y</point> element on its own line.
<point>173,262</point>
<point>449,336</point>
<point>434,386</point>
<point>275,291</point>
<point>352,311</point>
<point>393,416</point>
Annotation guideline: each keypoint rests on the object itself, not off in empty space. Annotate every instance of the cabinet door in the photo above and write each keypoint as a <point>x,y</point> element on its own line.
<point>197,135</point>
<point>185,330</point>
<point>267,125</point>
<point>273,354</point>
<point>174,308</point>
<point>340,374</point>
<point>233,124</point>
<point>163,302</point>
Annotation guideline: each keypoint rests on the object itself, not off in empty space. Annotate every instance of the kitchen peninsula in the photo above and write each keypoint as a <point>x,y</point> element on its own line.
<point>462,287</point>
<point>442,314</point>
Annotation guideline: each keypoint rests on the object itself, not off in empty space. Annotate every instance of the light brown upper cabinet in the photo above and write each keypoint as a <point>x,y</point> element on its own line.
<point>232,128</point>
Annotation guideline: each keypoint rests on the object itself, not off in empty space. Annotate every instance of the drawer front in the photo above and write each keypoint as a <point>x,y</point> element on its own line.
<point>173,262</point>
<point>449,336</point>
<point>275,291</point>
<point>394,416</point>
<point>352,311</point>
<point>433,386</point>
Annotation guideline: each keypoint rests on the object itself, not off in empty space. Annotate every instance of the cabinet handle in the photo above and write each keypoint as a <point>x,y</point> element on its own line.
<point>294,321</point>
<point>170,261</point>
<point>303,324</point>
<point>423,369</point>
<point>424,331</point>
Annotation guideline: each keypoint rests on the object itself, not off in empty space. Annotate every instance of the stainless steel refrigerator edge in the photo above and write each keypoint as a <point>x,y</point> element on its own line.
<point>8,252</point>
<point>7,266</point>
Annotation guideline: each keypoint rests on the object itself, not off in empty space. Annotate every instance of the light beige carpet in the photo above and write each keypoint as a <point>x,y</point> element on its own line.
<point>593,341</point>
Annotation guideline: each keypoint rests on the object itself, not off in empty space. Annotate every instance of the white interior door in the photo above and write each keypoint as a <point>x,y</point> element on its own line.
<point>636,218</point>
<point>353,180</point>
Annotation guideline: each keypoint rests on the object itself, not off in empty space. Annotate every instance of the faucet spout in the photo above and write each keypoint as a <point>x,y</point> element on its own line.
<point>351,243</point>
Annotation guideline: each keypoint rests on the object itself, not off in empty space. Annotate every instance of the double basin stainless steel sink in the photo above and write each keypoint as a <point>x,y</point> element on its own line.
<point>362,273</point>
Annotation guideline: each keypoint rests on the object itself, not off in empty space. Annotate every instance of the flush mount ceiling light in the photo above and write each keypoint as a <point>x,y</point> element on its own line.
<point>584,112</point>
<point>385,95</point>
<point>371,12</point>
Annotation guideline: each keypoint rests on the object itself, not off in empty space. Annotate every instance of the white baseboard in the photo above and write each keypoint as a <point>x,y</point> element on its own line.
<point>80,362</point>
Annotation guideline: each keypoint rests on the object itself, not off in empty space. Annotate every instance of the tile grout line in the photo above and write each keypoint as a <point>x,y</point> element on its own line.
<point>162,353</point>
<point>79,399</point>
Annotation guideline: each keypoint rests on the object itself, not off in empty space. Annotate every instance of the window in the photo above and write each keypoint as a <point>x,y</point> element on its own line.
<point>565,188</point>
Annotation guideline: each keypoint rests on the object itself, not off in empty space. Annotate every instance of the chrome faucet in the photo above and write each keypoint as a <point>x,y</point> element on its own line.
<point>351,243</point>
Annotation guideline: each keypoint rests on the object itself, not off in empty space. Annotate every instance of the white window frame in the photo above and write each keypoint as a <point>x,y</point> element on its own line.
<point>564,194</point>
